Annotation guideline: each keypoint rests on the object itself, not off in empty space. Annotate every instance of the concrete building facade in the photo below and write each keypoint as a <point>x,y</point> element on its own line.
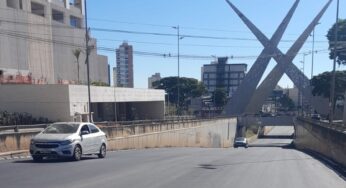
<point>124,60</point>
<point>37,41</point>
<point>155,77</point>
<point>219,74</point>
<point>70,102</point>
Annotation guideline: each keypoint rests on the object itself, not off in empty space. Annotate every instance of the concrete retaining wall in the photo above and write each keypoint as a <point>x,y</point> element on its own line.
<point>326,141</point>
<point>16,141</point>
<point>198,133</point>
<point>214,134</point>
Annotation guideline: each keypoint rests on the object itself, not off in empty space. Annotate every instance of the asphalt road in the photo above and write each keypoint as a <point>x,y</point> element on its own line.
<point>265,166</point>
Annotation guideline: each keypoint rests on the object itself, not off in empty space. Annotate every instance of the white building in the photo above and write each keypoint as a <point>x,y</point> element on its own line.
<point>37,41</point>
<point>68,102</point>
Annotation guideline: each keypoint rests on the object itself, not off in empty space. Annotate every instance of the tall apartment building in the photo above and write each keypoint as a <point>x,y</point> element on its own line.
<point>155,77</point>
<point>219,74</point>
<point>37,41</point>
<point>124,58</point>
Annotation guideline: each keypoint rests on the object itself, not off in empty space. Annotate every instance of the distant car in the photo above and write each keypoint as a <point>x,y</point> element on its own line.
<point>316,116</point>
<point>69,140</point>
<point>240,142</point>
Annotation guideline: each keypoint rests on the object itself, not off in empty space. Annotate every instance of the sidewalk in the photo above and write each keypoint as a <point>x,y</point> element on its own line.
<point>20,154</point>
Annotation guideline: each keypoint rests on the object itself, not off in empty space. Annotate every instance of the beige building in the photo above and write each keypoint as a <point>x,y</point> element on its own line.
<point>124,60</point>
<point>37,41</point>
<point>155,77</point>
<point>69,102</point>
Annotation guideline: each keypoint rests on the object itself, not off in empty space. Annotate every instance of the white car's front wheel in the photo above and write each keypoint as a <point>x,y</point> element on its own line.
<point>103,151</point>
<point>77,153</point>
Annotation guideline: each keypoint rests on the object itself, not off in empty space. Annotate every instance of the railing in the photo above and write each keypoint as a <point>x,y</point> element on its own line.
<point>121,124</point>
<point>340,127</point>
<point>16,128</point>
<point>175,119</point>
<point>15,118</point>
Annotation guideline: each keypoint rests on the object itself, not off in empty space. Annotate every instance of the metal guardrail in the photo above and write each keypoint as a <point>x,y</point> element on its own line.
<point>16,128</point>
<point>119,124</point>
<point>340,127</point>
<point>153,122</point>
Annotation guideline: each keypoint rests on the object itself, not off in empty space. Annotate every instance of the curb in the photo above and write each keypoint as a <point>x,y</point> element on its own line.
<point>21,154</point>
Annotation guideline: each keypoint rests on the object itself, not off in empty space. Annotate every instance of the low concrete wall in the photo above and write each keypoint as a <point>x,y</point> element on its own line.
<point>316,137</point>
<point>214,134</point>
<point>196,133</point>
<point>16,141</point>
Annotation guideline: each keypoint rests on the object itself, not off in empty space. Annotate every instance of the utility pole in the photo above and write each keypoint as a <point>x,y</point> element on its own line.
<point>178,87</point>
<point>332,88</point>
<point>301,79</point>
<point>87,56</point>
<point>312,53</point>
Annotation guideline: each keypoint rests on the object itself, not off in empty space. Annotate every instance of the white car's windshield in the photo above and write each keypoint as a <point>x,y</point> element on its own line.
<point>61,129</point>
<point>240,139</point>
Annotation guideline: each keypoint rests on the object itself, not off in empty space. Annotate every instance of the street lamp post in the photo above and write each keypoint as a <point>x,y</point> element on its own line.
<point>303,70</point>
<point>313,51</point>
<point>87,57</point>
<point>178,86</point>
<point>332,88</point>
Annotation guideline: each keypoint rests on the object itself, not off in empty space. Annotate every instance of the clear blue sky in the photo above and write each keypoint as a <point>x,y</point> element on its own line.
<point>207,18</point>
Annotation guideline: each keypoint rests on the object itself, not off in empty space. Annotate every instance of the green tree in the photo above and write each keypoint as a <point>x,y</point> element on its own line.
<point>189,88</point>
<point>286,102</point>
<point>341,45</point>
<point>99,83</point>
<point>219,97</point>
<point>321,84</point>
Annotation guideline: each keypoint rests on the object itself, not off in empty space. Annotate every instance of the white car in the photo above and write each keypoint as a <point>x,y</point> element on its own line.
<point>69,140</point>
<point>240,142</point>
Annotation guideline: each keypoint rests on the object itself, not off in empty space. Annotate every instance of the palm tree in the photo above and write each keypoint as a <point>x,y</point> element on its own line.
<point>76,53</point>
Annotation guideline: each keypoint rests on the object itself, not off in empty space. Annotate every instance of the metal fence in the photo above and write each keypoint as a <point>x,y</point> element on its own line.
<point>8,118</point>
<point>118,124</point>
<point>340,127</point>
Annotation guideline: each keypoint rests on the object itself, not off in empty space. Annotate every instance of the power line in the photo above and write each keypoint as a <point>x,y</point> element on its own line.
<point>140,53</point>
<point>148,33</point>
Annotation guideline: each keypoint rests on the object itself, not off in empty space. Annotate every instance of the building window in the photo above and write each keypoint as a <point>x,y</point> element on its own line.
<point>234,82</point>
<point>37,9</point>
<point>76,3</point>
<point>234,75</point>
<point>11,3</point>
<point>21,4</point>
<point>75,22</point>
<point>212,75</point>
<point>58,16</point>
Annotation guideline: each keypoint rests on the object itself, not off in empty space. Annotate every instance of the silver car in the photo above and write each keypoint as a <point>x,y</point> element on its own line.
<point>70,140</point>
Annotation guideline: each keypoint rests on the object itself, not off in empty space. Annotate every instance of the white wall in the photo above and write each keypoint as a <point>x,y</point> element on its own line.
<point>61,102</point>
<point>48,101</point>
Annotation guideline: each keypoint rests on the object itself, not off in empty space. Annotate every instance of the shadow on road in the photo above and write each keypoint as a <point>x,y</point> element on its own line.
<point>259,161</point>
<point>273,145</point>
<point>329,163</point>
<point>54,160</point>
<point>276,137</point>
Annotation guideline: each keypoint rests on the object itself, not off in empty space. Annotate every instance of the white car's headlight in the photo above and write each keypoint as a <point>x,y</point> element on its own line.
<point>66,142</point>
<point>32,142</point>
